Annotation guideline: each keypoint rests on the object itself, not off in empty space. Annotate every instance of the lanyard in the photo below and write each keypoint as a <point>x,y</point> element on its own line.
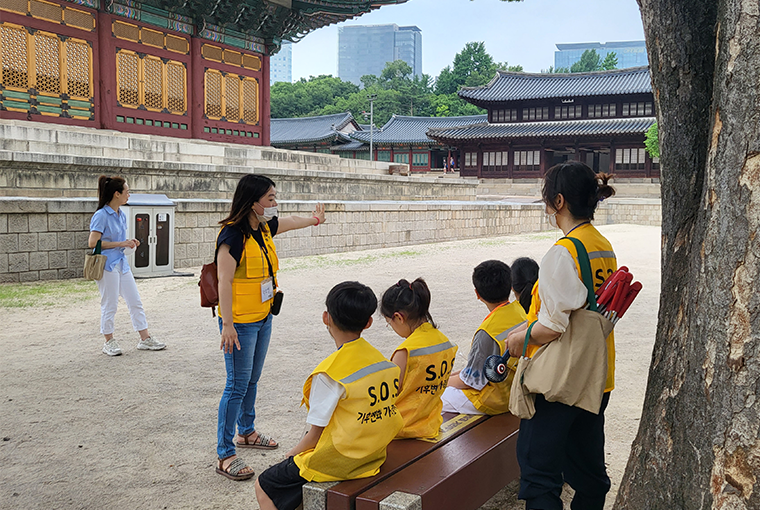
<point>578,225</point>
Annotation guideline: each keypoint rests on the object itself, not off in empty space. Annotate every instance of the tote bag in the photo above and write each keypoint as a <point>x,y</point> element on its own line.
<point>573,369</point>
<point>94,263</point>
<point>522,403</point>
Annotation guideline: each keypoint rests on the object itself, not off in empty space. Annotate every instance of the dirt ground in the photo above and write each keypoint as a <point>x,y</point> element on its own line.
<point>82,430</point>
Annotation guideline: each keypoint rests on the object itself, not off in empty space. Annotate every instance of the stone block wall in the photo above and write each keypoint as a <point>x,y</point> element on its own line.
<point>45,239</point>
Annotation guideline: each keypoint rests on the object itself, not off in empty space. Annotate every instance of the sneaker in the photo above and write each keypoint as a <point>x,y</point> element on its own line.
<point>112,348</point>
<point>149,344</point>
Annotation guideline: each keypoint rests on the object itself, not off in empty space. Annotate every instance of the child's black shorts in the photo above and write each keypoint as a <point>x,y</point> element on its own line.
<point>283,484</point>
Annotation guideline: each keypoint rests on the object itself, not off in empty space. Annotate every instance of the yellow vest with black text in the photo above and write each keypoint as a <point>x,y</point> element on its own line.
<point>494,397</point>
<point>354,442</point>
<point>430,358</point>
<point>603,264</point>
<point>253,269</point>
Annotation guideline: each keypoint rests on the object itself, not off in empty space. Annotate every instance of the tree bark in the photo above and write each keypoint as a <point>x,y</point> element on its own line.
<point>698,444</point>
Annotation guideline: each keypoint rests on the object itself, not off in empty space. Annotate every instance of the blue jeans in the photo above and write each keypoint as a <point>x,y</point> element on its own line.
<point>243,372</point>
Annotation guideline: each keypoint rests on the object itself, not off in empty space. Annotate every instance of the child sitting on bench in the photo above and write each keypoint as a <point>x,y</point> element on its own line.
<point>469,392</point>
<point>425,358</point>
<point>351,398</point>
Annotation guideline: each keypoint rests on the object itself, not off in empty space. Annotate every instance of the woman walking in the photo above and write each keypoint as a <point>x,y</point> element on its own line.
<point>109,226</point>
<point>247,267</point>
<point>563,443</point>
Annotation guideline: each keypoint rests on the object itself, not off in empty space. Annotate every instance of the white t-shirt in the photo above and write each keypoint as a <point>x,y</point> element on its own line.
<point>323,399</point>
<point>560,289</point>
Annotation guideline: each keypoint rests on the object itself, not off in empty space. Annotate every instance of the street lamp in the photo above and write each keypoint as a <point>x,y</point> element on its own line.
<point>371,98</point>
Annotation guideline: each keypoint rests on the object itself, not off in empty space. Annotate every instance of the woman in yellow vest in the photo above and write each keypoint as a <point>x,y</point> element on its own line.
<point>563,443</point>
<point>425,358</point>
<point>247,267</point>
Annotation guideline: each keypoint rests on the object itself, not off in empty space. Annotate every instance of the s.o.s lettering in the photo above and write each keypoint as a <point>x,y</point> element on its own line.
<point>384,393</point>
<point>434,372</point>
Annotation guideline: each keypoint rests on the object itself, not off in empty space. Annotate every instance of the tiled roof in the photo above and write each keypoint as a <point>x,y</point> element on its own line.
<point>310,129</point>
<point>352,146</point>
<point>412,130</point>
<point>553,129</point>
<point>511,86</point>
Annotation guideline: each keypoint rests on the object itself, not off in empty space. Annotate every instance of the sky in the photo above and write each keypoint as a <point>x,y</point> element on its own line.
<point>522,33</point>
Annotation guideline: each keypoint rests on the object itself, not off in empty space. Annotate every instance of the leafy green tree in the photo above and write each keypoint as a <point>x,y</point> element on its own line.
<point>307,97</point>
<point>472,67</point>
<point>590,61</point>
<point>652,141</point>
<point>610,61</point>
<point>450,105</point>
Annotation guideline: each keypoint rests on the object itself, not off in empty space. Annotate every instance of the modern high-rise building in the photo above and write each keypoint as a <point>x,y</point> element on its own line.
<point>629,53</point>
<point>281,64</point>
<point>365,49</point>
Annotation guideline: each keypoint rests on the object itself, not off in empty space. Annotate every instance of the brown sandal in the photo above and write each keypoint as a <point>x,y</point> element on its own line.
<point>233,470</point>
<point>261,442</point>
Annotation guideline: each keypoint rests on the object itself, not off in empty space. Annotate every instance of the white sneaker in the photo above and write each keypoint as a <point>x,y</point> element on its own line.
<point>149,344</point>
<point>112,348</point>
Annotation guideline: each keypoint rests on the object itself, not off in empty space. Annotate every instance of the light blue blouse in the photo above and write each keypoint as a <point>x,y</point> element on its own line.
<point>113,226</point>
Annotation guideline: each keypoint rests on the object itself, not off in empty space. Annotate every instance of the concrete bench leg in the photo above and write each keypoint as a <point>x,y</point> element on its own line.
<point>315,495</point>
<point>401,501</point>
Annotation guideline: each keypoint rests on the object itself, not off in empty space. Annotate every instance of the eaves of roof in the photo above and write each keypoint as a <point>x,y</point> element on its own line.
<point>550,129</point>
<point>301,130</point>
<point>406,130</point>
<point>512,86</point>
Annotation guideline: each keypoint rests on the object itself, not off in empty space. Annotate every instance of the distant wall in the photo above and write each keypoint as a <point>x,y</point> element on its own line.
<point>45,239</point>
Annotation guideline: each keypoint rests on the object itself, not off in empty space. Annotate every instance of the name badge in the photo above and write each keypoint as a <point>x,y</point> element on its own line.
<point>267,290</point>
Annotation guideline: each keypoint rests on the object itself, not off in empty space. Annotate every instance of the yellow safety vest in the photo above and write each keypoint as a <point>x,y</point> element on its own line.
<point>494,397</point>
<point>603,264</point>
<point>535,306</point>
<point>364,422</point>
<point>253,269</point>
<point>430,358</point>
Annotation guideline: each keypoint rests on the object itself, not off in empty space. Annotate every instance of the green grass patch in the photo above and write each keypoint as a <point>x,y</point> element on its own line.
<point>55,293</point>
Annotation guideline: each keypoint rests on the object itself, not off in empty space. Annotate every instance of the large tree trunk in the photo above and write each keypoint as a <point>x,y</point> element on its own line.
<point>698,444</point>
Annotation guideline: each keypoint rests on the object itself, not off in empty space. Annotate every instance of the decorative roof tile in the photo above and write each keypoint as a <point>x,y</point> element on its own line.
<point>511,86</point>
<point>324,128</point>
<point>412,130</point>
<point>553,129</point>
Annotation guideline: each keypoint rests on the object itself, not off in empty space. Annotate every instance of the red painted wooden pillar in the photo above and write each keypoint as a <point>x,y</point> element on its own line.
<point>106,61</point>
<point>196,97</point>
<point>265,98</point>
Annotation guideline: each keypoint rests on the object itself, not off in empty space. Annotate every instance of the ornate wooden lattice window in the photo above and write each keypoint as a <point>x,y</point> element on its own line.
<point>230,57</point>
<point>149,37</point>
<point>151,82</point>
<point>470,159</point>
<point>401,157</point>
<point>45,73</point>
<point>231,97</point>
<point>503,115</point>
<point>495,161</point>
<point>568,112</point>
<point>639,109</point>
<point>420,159</point>
<point>540,113</point>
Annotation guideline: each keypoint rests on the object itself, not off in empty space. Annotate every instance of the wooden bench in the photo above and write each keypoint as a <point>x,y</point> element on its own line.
<point>476,452</point>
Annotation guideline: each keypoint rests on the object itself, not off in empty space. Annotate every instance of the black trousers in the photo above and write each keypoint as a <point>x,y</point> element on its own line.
<point>561,444</point>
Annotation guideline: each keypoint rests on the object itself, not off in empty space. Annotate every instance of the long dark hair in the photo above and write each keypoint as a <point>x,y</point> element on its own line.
<point>107,186</point>
<point>581,187</point>
<point>249,190</point>
<point>411,299</point>
<point>524,277</point>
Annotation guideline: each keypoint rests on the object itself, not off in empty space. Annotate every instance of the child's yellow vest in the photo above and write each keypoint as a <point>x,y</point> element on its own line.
<point>494,397</point>
<point>364,422</point>
<point>253,269</point>
<point>430,358</point>
<point>603,264</point>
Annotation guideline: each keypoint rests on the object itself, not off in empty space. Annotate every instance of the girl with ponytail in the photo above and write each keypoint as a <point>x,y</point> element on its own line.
<point>425,357</point>
<point>557,431</point>
<point>109,227</point>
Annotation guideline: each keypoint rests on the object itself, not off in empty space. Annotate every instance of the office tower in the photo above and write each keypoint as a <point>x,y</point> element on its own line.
<point>365,49</point>
<point>629,53</point>
<point>281,64</point>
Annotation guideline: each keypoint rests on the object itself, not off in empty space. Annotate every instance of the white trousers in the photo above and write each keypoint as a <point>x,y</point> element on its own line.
<point>111,286</point>
<point>455,401</point>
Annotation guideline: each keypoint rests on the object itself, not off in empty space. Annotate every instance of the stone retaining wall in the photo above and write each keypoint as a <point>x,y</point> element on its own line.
<point>45,239</point>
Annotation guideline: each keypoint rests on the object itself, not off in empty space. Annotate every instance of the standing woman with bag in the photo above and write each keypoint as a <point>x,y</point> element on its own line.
<point>109,226</point>
<point>563,443</point>
<point>247,267</point>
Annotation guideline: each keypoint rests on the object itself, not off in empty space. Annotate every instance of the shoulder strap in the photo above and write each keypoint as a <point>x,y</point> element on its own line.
<point>585,264</point>
<point>98,248</point>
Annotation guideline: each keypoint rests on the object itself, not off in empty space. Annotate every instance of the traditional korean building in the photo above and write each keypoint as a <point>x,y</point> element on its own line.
<point>538,120</point>
<point>188,69</point>
<point>324,133</point>
<point>404,140</point>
